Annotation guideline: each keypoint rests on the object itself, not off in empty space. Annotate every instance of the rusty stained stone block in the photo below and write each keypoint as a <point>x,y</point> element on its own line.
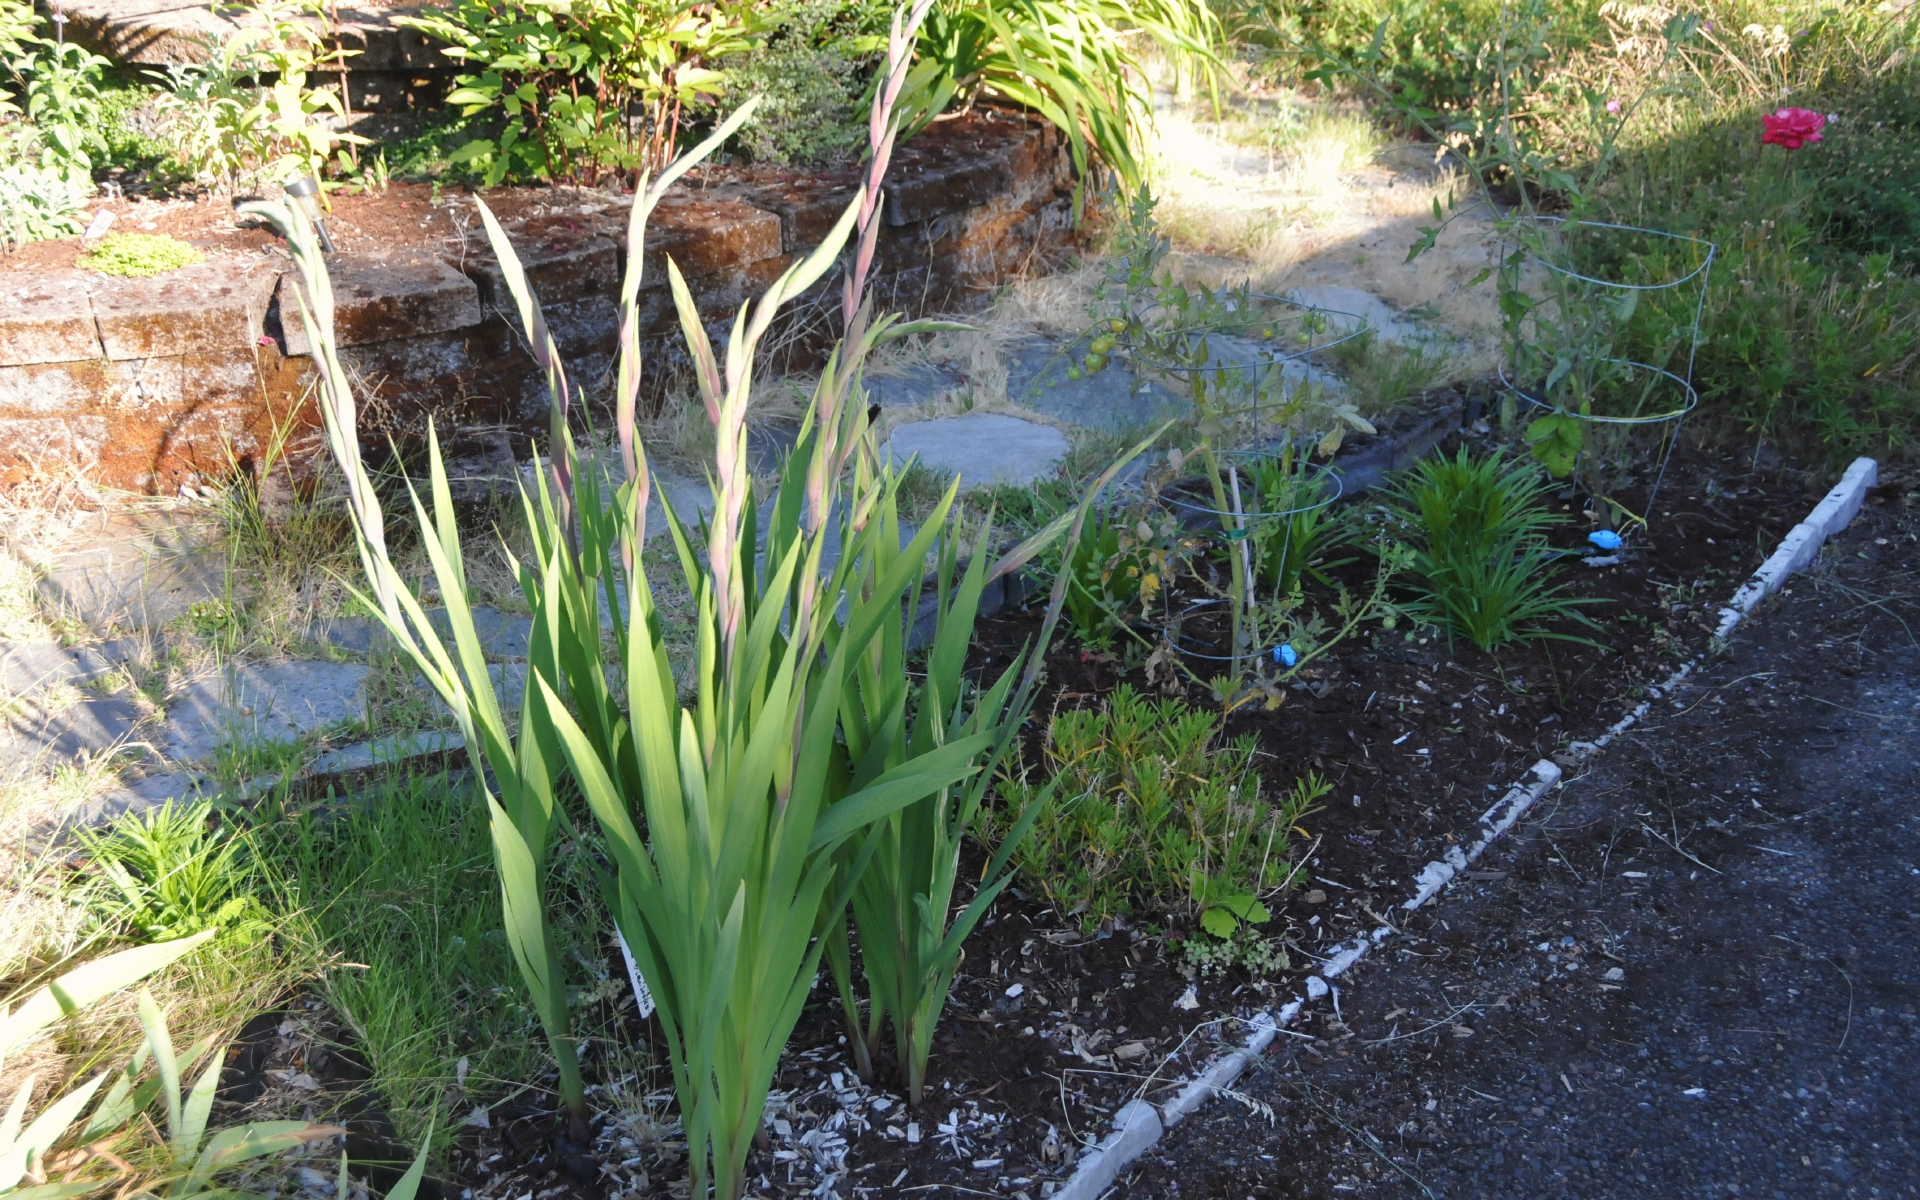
<point>808,205</point>
<point>36,448</point>
<point>202,441</point>
<point>49,389</point>
<point>478,373</point>
<point>50,320</point>
<point>589,326</point>
<point>210,307</point>
<point>383,300</point>
<point>954,165</point>
<point>706,233</point>
<point>566,259</point>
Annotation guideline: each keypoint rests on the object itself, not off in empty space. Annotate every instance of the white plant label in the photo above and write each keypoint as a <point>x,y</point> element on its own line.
<point>642,994</point>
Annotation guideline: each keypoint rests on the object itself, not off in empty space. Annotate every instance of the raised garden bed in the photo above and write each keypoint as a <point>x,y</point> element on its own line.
<point>1053,1026</point>
<point>157,384</point>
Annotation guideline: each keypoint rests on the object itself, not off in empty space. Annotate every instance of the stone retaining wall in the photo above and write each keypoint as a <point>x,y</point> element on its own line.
<point>148,385</point>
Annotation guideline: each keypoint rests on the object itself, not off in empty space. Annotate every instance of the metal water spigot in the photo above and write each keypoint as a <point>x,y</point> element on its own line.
<point>305,192</point>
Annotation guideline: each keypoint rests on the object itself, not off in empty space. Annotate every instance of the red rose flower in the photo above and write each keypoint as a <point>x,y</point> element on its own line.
<point>1791,128</point>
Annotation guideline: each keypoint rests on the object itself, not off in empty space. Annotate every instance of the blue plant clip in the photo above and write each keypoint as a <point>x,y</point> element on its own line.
<point>1606,539</point>
<point>1285,654</point>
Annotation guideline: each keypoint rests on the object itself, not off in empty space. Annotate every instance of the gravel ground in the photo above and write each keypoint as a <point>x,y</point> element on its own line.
<point>1695,972</point>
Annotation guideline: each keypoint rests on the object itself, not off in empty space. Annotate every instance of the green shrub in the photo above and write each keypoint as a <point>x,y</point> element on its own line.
<point>139,254</point>
<point>37,203</point>
<point>1481,560</point>
<point>255,109</point>
<point>1069,60</point>
<point>171,872</point>
<point>1151,811</point>
<point>810,73</point>
<point>1117,571</point>
<point>1287,548</point>
<point>558,80</point>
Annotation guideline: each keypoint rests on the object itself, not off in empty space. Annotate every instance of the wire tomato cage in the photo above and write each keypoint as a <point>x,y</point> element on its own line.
<point>1253,343</point>
<point>1237,525</point>
<point>1568,373</point>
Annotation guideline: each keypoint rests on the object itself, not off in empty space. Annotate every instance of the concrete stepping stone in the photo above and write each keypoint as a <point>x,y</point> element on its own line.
<point>134,573</point>
<point>501,636</point>
<point>1345,307</point>
<point>139,796</point>
<point>981,447</point>
<point>27,668</point>
<point>43,737</point>
<point>274,702</point>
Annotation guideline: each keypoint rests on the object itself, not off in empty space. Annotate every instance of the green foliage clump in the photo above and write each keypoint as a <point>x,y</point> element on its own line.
<point>1301,527</point>
<point>1151,810</point>
<point>37,203</point>
<point>1810,326</point>
<point>810,72</point>
<point>1118,569</point>
<point>172,872</point>
<point>1482,565</point>
<point>1071,61</point>
<point>559,80</point>
<point>138,255</point>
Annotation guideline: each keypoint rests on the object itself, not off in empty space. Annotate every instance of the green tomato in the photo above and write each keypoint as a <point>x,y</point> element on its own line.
<point>1073,373</point>
<point>1095,363</point>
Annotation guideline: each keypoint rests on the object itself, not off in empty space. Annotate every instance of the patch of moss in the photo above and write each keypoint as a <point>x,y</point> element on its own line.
<point>139,254</point>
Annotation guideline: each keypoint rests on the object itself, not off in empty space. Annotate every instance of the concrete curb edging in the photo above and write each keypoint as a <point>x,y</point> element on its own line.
<point>1138,1124</point>
<point>1799,547</point>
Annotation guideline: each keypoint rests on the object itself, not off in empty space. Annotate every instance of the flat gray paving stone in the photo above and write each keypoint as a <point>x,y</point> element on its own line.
<point>41,738</point>
<point>273,702</point>
<point>981,447</point>
<point>27,668</point>
<point>1347,306</point>
<point>140,796</point>
<point>501,635</point>
<point>1107,400</point>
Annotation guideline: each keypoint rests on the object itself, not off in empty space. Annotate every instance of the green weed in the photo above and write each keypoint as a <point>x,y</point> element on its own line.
<point>172,872</point>
<point>1482,567</point>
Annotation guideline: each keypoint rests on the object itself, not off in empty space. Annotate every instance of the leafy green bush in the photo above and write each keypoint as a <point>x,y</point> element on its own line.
<point>559,78</point>
<point>1287,548</point>
<point>1481,560</point>
<point>139,254</point>
<point>253,110</point>
<point>1648,116</point>
<point>1117,570</point>
<point>37,203</point>
<point>810,72</point>
<point>1148,810</point>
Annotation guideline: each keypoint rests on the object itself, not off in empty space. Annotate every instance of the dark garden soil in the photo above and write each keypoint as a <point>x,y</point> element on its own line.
<point>1051,1028</point>
<point>1693,971</point>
